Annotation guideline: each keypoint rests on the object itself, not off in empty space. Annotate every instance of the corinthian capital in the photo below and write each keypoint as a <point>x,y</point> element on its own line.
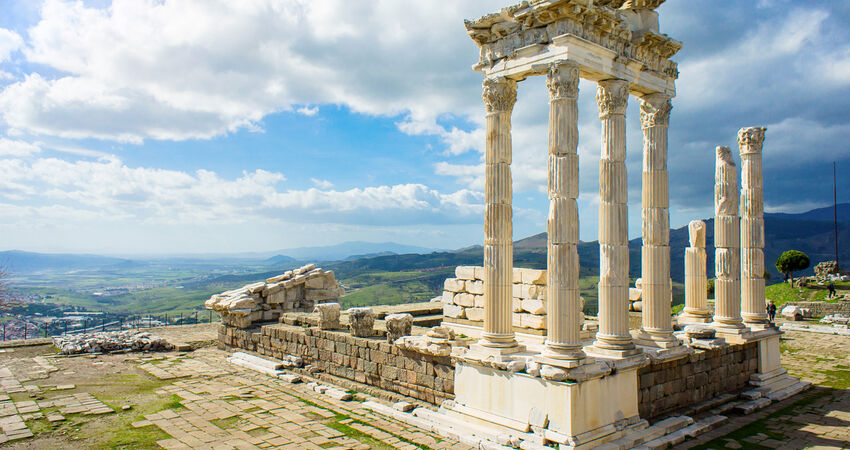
<point>499,94</point>
<point>612,97</point>
<point>562,80</point>
<point>655,110</point>
<point>751,139</point>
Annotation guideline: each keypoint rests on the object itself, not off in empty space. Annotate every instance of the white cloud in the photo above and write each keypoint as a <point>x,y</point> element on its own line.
<point>9,147</point>
<point>307,111</point>
<point>9,43</point>
<point>322,184</point>
<point>197,69</point>
<point>109,188</point>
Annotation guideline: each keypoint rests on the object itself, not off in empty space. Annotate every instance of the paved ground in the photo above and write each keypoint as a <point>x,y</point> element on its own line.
<point>198,400</point>
<point>178,400</point>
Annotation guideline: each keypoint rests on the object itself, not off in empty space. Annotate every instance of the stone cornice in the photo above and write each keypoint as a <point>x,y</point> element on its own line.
<point>500,35</point>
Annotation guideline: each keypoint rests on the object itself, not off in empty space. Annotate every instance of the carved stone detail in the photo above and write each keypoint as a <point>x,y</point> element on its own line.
<point>655,110</point>
<point>612,97</point>
<point>563,81</point>
<point>499,95</point>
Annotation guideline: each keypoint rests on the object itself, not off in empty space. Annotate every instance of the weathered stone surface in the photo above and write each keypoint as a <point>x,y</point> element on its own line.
<point>131,340</point>
<point>328,315</point>
<point>398,325</point>
<point>361,322</point>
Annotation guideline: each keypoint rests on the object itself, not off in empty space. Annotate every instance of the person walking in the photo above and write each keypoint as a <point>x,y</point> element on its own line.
<point>771,311</point>
<point>831,288</point>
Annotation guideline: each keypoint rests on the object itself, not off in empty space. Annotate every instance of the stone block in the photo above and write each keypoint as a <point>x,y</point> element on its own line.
<point>475,287</point>
<point>361,322</point>
<point>454,311</point>
<point>465,272</point>
<point>398,325</point>
<point>465,300</point>
<point>475,314</point>
<point>454,285</point>
<point>534,306</point>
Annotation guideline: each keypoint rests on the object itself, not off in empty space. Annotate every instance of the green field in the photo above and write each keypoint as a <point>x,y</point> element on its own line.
<point>782,293</point>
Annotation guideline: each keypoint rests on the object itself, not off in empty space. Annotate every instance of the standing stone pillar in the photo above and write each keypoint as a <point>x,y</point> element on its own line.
<point>499,97</point>
<point>750,142</point>
<point>613,337</point>
<point>657,295</point>
<point>727,283</point>
<point>696,280</point>
<point>563,341</point>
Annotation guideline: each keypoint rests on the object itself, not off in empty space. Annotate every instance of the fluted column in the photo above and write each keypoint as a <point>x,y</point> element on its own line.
<point>613,335</point>
<point>499,97</point>
<point>657,326</point>
<point>727,283</point>
<point>750,142</point>
<point>563,341</point>
<point>696,280</point>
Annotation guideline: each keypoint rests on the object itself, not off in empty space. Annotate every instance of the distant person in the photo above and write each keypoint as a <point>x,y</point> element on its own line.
<point>831,288</point>
<point>771,311</point>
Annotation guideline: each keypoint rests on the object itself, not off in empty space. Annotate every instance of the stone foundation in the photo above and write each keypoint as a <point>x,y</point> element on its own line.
<point>663,386</point>
<point>370,361</point>
<point>668,386</point>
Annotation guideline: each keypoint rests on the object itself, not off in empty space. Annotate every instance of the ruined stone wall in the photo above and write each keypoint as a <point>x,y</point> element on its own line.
<point>819,309</point>
<point>705,374</point>
<point>463,298</point>
<point>371,361</point>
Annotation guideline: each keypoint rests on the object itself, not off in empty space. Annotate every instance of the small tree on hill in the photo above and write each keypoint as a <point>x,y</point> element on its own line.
<point>792,261</point>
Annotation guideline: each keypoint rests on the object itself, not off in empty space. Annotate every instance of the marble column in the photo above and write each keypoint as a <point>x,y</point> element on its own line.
<point>750,142</point>
<point>727,242</point>
<point>696,280</point>
<point>613,337</point>
<point>657,326</point>
<point>499,97</point>
<point>563,341</point>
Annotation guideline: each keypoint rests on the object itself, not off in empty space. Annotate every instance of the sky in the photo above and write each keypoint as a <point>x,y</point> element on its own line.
<point>214,126</point>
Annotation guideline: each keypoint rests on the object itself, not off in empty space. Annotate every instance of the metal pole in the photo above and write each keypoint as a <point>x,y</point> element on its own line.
<point>150,323</point>
<point>4,331</point>
<point>210,316</point>
<point>25,331</point>
<point>166,319</point>
<point>835,208</point>
<point>181,319</point>
<point>102,325</point>
<point>85,323</point>
<point>65,328</point>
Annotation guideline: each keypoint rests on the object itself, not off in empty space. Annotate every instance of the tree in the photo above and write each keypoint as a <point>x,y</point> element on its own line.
<point>792,261</point>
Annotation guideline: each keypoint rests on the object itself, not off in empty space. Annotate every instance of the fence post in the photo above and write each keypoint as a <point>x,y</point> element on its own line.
<point>150,320</point>
<point>4,331</point>
<point>102,325</point>
<point>25,331</point>
<point>65,328</point>
<point>210,316</point>
<point>181,319</point>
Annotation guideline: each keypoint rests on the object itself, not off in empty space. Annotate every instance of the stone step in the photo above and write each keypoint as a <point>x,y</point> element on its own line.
<point>432,320</point>
<point>255,367</point>
<point>707,405</point>
<point>752,406</point>
<point>789,391</point>
<point>689,432</point>
<point>256,360</point>
<point>752,394</point>
<point>649,434</point>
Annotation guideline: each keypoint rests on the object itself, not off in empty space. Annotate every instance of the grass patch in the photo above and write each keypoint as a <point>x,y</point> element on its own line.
<point>256,432</point>
<point>357,435</point>
<point>126,436</point>
<point>172,402</point>
<point>838,379</point>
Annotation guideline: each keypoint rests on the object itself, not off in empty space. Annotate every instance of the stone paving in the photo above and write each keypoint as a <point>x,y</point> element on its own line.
<point>243,409</point>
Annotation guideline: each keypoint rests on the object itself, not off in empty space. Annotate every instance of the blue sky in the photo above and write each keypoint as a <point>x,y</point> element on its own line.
<point>200,126</point>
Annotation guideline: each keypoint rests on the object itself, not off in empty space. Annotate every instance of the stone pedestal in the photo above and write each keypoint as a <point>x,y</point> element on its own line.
<point>613,338</point>
<point>727,284</point>
<point>563,341</point>
<point>579,414</point>
<point>657,326</point>
<point>696,280</point>
<point>753,311</point>
<point>498,337</point>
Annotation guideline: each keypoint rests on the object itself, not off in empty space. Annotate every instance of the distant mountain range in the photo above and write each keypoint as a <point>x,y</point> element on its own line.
<point>810,232</point>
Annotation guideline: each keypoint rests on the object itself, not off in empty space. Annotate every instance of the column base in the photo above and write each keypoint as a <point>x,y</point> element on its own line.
<point>500,354</point>
<point>754,319</point>
<point>688,318</point>
<point>563,363</point>
<point>663,339</point>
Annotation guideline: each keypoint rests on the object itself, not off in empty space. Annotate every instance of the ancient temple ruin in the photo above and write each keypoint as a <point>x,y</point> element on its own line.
<point>515,355</point>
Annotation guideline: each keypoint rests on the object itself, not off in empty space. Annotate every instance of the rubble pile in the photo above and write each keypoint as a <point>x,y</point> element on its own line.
<point>297,290</point>
<point>111,341</point>
<point>837,319</point>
